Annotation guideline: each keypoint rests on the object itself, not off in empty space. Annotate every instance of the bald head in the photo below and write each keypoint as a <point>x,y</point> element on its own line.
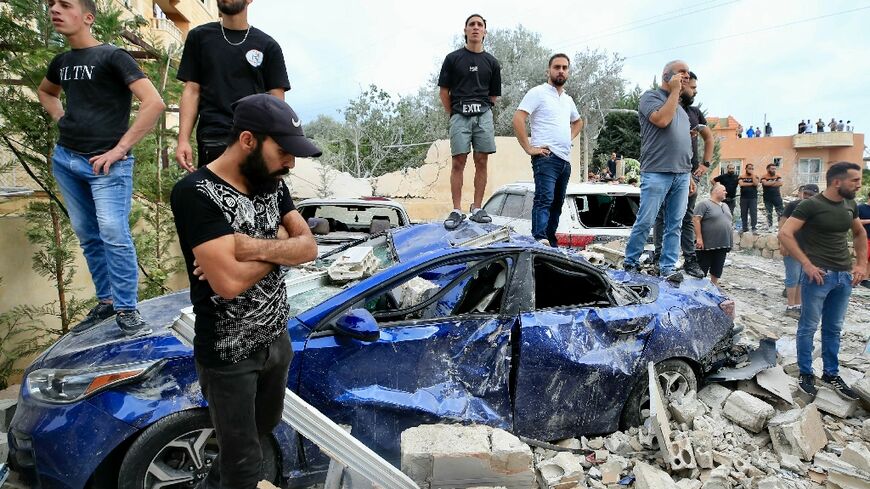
<point>676,66</point>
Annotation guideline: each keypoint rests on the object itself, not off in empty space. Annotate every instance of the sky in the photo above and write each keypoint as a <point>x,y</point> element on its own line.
<point>783,60</point>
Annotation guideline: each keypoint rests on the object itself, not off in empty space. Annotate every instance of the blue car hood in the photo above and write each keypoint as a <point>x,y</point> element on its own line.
<point>105,344</point>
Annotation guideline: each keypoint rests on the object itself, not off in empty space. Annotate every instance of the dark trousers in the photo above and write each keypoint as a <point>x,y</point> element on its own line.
<point>749,210</point>
<point>551,182</point>
<point>712,261</point>
<point>771,205</point>
<point>687,231</point>
<point>731,203</point>
<point>245,401</point>
<point>208,151</point>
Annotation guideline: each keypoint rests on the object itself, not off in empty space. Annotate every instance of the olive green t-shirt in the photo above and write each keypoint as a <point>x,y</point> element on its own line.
<point>825,230</point>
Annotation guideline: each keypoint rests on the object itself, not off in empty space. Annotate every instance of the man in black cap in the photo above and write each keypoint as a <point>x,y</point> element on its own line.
<point>237,225</point>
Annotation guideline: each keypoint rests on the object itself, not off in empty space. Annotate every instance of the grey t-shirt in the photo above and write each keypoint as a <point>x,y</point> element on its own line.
<point>715,224</point>
<point>668,149</point>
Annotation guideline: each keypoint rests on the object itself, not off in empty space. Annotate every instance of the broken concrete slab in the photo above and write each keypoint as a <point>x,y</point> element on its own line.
<point>678,454</point>
<point>749,412</point>
<point>792,463</point>
<point>618,443</point>
<point>465,456</point>
<point>862,387</point>
<point>773,483</point>
<point>857,455</point>
<point>799,432</point>
<point>718,478</point>
<point>776,381</point>
<point>649,477</point>
<point>611,472</point>
<point>714,396</point>
<point>689,484</point>
<point>563,470</point>
<point>830,402</point>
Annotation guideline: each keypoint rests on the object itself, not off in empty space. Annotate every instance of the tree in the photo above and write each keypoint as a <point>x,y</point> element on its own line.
<point>621,132</point>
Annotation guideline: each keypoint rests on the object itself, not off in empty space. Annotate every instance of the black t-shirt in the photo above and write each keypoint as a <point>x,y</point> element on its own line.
<point>472,79</point>
<point>771,194</point>
<point>750,192</point>
<point>695,117</point>
<point>226,73</point>
<point>96,82</point>
<point>864,213</point>
<point>730,184</point>
<point>205,208</point>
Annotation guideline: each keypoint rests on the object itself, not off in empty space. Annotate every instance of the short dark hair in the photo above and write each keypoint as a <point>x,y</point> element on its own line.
<point>235,132</point>
<point>558,55</point>
<point>471,17</point>
<point>771,164</point>
<point>692,75</point>
<point>839,170</point>
<point>89,6</point>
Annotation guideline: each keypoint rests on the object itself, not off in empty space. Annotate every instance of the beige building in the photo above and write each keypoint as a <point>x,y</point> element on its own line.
<point>169,21</point>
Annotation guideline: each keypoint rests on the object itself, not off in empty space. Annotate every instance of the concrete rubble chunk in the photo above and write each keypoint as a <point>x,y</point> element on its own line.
<point>687,409</point>
<point>798,432</point>
<point>862,387</point>
<point>747,411</point>
<point>444,455</point>
<point>611,473</point>
<point>776,381</point>
<point>649,477</point>
<point>831,402</point>
<point>564,471</point>
<point>865,429</point>
<point>689,484</point>
<point>352,264</point>
<point>792,463</point>
<point>718,478</point>
<point>857,455</point>
<point>773,483</point>
<point>714,396</point>
<point>618,443</point>
<point>678,454</point>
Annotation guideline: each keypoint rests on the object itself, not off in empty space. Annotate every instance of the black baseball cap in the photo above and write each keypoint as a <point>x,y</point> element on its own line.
<point>810,187</point>
<point>262,113</point>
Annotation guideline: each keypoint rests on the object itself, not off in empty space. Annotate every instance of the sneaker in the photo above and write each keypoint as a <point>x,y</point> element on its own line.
<point>654,268</point>
<point>692,268</point>
<point>807,384</point>
<point>838,385</point>
<point>95,316</point>
<point>132,324</point>
<point>675,277</point>
<point>453,220</point>
<point>544,241</point>
<point>480,216</point>
<point>793,312</point>
<point>632,268</point>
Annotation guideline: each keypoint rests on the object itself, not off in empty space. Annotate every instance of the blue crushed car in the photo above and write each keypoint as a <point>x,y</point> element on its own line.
<point>454,327</point>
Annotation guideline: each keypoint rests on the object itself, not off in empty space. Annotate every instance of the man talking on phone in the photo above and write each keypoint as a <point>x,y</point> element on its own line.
<point>698,123</point>
<point>665,166</point>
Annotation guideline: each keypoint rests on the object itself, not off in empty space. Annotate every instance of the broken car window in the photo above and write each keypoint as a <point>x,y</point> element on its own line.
<point>560,284</point>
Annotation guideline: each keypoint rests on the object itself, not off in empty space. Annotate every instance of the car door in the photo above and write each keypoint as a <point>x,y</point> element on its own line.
<point>579,352</point>
<point>443,354</point>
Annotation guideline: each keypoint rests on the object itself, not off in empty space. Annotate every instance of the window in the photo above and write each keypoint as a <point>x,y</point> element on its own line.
<point>777,160</point>
<point>514,206</point>
<point>560,284</point>
<point>351,217</point>
<point>809,170</point>
<point>493,205</point>
<point>607,211</point>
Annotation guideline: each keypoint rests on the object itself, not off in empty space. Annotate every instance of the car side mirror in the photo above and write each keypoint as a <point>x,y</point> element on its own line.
<point>358,324</point>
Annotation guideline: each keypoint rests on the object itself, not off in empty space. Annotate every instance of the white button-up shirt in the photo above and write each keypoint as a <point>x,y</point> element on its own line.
<point>551,115</point>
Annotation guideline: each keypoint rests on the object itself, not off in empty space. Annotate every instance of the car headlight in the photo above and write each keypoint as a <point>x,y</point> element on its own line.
<point>71,385</point>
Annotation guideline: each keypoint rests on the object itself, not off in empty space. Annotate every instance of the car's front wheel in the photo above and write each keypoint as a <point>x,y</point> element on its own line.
<point>676,378</point>
<point>177,452</point>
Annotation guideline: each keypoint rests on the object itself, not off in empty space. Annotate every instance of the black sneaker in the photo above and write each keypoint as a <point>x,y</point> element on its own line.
<point>672,277</point>
<point>840,387</point>
<point>631,268</point>
<point>691,267</point>
<point>132,324</point>
<point>95,316</point>
<point>807,384</point>
<point>480,216</point>
<point>453,220</point>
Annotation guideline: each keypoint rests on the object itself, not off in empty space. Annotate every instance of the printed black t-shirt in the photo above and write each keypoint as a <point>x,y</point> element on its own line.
<point>226,73</point>
<point>771,194</point>
<point>96,83</point>
<point>750,192</point>
<point>472,79</point>
<point>205,208</point>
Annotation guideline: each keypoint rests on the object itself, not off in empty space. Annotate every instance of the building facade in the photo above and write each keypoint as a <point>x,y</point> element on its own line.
<point>169,21</point>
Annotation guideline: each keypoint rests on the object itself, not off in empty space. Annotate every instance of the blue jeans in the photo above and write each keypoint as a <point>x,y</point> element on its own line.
<point>99,210</point>
<point>828,303</point>
<point>551,181</point>
<point>657,190</point>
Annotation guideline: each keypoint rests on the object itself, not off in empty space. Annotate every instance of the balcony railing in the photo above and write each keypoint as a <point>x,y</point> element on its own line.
<point>823,140</point>
<point>172,34</point>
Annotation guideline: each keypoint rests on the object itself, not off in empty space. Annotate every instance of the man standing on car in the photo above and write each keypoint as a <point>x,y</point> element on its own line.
<point>824,222</point>
<point>222,62</point>
<point>555,122</point>
<point>665,168</point>
<point>687,233</point>
<point>470,82</point>
<point>92,161</point>
<point>237,226</point>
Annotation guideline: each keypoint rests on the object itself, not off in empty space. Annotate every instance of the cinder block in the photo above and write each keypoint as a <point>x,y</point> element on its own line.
<point>714,396</point>
<point>649,477</point>
<point>831,402</point>
<point>687,409</point>
<point>563,470</point>
<point>749,412</point>
<point>799,432</point>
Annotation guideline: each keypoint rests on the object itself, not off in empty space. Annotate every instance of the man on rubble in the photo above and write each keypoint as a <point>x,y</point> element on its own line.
<point>824,222</point>
<point>237,226</point>
<point>469,83</point>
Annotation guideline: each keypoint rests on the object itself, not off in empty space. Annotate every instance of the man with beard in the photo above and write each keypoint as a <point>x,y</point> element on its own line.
<point>665,168</point>
<point>237,226</point>
<point>729,180</point>
<point>554,123</point>
<point>824,222</point>
<point>698,123</point>
<point>748,198</point>
<point>770,193</point>
<point>221,63</point>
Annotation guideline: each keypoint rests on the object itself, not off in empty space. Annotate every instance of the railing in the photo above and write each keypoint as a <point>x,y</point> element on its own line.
<point>172,33</point>
<point>823,139</point>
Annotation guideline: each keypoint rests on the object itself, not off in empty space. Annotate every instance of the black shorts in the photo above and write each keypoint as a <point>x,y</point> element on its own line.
<point>712,261</point>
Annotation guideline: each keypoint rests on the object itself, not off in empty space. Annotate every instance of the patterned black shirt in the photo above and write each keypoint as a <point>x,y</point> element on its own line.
<point>205,208</point>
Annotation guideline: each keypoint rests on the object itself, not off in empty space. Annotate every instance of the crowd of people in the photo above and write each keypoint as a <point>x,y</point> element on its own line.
<point>805,126</point>
<point>756,132</point>
<point>237,224</point>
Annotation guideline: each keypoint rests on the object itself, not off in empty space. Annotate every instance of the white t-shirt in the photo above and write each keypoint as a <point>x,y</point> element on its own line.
<point>551,116</point>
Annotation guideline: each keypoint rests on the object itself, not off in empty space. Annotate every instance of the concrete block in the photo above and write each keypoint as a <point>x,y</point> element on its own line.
<point>714,396</point>
<point>611,472</point>
<point>857,455</point>
<point>831,402</point>
<point>562,471</point>
<point>618,443</point>
<point>747,411</point>
<point>687,409</point>
<point>799,432</point>
<point>465,456</point>
<point>649,477</point>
